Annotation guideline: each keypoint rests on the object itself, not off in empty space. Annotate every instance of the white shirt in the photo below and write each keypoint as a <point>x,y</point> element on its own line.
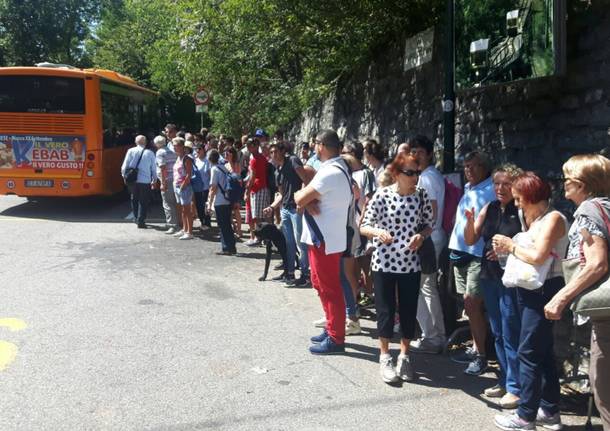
<point>334,188</point>
<point>433,182</point>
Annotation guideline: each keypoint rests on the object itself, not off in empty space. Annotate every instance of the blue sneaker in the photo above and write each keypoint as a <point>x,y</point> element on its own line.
<point>477,367</point>
<point>319,338</point>
<point>327,347</point>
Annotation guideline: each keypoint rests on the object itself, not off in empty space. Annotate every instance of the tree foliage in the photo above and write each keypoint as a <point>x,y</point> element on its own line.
<point>265,61</point>
<point>33,31</point>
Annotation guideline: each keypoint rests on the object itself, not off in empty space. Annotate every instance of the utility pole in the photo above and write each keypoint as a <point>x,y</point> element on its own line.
<point>449,96</point>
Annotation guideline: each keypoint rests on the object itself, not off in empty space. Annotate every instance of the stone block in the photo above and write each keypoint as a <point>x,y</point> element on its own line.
<point>594,95</point>
<point>542,106</point>
<point>569,102</point>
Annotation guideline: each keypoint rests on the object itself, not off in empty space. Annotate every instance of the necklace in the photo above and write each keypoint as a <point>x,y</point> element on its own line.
<point>542,214</point>
<point>405,192</point>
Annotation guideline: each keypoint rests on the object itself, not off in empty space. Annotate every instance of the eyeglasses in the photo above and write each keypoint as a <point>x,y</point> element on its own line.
<point>410,172</point>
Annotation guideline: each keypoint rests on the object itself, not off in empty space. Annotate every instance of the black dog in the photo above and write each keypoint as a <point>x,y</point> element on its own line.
<point>270,235</point>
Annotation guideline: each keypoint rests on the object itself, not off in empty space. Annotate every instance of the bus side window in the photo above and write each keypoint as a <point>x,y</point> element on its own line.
<point>126,114</point>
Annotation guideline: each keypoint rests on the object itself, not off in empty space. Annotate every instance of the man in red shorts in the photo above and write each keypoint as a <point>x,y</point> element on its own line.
<point>257,190</point>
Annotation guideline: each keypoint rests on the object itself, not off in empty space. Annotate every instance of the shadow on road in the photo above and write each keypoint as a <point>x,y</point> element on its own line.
<point>95,209</point>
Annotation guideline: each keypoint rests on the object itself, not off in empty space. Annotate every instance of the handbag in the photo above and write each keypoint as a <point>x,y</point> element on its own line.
<point>427,252</point>
<point>131,174</point>
<point>595,301</point>
<point>521,274</point>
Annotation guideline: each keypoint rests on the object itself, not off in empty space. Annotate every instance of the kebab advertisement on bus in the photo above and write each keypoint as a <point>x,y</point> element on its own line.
<point>42,152</point>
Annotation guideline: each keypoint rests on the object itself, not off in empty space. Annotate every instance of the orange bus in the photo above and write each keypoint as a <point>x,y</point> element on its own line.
<point>64,131</point>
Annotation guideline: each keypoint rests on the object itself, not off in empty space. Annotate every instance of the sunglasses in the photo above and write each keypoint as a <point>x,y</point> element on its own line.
<point>410,172</point>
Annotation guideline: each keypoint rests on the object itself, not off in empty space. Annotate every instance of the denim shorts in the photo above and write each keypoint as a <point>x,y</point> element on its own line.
<point>184,197</point>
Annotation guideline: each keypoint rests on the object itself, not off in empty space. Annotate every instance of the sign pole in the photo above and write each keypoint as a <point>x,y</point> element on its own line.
<point>449,96</point>
<point>201,98</point>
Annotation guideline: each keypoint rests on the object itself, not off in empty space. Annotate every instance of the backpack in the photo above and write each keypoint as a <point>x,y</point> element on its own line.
<point>453,194</point>
<point>234,190</point>
<point>271,181</point>
<point>196,178</point>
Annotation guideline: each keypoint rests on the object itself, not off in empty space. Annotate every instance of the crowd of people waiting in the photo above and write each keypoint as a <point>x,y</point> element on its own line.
<point>367,231</point>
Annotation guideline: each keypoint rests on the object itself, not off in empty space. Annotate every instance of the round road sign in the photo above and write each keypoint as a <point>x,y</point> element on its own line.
<point>201,96</point>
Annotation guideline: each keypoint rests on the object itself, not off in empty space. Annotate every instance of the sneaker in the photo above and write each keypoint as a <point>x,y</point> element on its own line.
<point>477,367</point>
<point>170,231</point>
<point>327,347</point>
<point>204,227</point>
<point>366,301</point>
<point>550,422</point>
<point>513,422</point>
<point>279,267</point>
<point>424,345</point>
<point>186,236</point>
<point>509,401</point>
<point>252,242</point>
<point>319,338</point>
<point>396,327</point>
<point>320,323</point>
<point>404,370</point>
<point>284,278</point>
<point>352,327</point>
<point>302,281</point>
<point>142,226</point>
<point>386,369</point>
<point>495,392</point>
<point>178,233</point>
<point>466,357</point>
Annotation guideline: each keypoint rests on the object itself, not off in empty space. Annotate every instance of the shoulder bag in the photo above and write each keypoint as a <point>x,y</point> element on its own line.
<point>131,174</point>
<point>595,301</point>
<point>521,274</point>
<point>427,253</point>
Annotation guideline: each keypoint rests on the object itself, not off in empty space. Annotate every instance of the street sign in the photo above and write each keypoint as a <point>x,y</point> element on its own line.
<point>201,96</point>
<point>201,108</point>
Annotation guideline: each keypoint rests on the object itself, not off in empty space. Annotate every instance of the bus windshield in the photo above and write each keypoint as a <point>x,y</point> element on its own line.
<point>42,94</point>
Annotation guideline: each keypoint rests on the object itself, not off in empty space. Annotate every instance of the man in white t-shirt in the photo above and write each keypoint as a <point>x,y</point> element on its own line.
<point>325,201</point>
<point>429,310</point>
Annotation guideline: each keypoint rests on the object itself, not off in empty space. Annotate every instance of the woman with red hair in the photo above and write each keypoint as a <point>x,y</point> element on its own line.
<point>548,229</point>
<point>397,219</point>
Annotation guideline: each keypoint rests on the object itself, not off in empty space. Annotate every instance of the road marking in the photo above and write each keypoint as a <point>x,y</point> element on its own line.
<point>8,353</point>
<point>13,324</point>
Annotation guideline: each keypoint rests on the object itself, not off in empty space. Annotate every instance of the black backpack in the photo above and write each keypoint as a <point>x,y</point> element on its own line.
<point>271,180</point>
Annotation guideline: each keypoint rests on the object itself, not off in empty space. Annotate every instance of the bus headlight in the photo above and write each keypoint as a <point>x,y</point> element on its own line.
<point>89,173</point>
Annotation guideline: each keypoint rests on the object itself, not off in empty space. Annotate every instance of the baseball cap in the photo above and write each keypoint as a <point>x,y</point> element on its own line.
<point>260,133</point>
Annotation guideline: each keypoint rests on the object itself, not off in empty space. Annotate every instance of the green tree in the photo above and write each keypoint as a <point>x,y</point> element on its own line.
<point>33,31</point>
<point>265,61</point>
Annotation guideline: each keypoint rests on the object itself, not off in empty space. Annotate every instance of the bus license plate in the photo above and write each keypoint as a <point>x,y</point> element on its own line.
<point>39,183</point>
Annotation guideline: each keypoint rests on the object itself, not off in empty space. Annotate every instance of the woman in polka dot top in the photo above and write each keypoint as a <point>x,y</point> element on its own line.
<point>397,219</point>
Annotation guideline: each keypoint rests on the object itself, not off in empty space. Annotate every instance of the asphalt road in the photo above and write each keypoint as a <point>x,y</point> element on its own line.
<point>107,327</point>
